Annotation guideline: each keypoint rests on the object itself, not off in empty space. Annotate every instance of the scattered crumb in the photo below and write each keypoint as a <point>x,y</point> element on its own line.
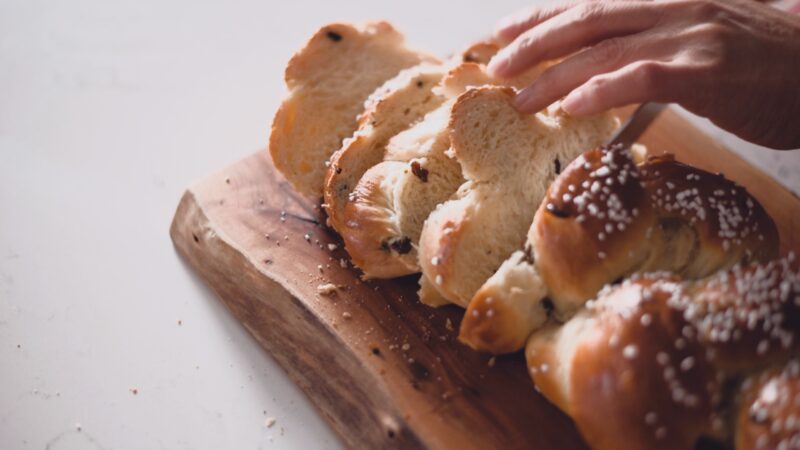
<point>406,347</point>
<point>332,247</point>
<point>343,263</point>
<point>134,391</point>
<point>270,422</point>
<point>449,325</point>
<point>491,362</point>
<point>78,426</point>
<point>319,267</point>
<point>326,289</point>
<point>285,237</point>
<point>180,322</point>
<point>307,237</point>
<point>346,315</point>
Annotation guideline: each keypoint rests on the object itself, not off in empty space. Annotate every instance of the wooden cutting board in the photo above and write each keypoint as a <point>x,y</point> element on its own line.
<point>384,370</point>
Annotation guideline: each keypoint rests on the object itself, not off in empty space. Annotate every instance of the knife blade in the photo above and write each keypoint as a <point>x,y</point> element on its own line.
<point>636,124</point>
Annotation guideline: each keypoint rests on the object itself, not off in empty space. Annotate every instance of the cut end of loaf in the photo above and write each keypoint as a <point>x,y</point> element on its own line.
<point>329,80</point>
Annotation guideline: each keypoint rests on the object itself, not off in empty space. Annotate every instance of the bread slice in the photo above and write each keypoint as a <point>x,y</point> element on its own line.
<point>508,160</point>
<point>386,211</point>
<point>329,81</point>
<point>392,108</point>
<point>480,52</point>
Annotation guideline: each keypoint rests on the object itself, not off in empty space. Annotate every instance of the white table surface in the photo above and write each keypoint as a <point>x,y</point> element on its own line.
<point>108,110</point>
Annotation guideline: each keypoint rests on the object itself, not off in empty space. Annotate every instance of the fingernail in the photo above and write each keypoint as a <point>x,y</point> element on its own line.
<point>575,103</point>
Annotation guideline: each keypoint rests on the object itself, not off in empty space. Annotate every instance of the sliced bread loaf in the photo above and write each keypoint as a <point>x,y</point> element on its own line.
<point>329,81</point>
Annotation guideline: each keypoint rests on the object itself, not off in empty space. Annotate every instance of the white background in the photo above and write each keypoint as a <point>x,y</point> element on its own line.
<point>108,110</point>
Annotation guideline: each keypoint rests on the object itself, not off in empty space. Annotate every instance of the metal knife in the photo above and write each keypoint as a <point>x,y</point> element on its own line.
<point>636,124</point>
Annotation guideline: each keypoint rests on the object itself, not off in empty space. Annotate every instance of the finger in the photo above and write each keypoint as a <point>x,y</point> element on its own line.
<point>509,27</point>
<point>639,82</point>
<point>568,32</point>
<point>607,56</point>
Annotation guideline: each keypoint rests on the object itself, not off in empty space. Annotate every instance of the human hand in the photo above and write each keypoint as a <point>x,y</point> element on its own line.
<point>736,62</point>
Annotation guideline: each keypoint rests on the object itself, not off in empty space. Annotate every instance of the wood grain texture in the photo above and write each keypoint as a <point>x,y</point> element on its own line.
<point>384,370</point>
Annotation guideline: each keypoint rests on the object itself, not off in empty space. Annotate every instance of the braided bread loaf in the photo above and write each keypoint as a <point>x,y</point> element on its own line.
<point>656,363</point>
<point>605,218</point>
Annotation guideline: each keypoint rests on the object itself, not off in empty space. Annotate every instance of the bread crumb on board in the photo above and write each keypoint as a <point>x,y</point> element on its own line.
<point>327,289</point>
<point>269,422</point>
